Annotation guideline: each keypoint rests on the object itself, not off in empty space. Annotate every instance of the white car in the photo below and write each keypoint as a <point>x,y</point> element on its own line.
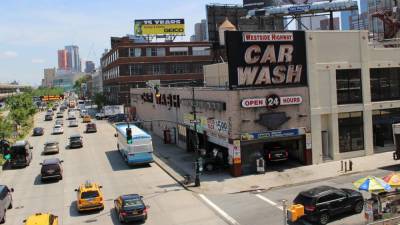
<point>71,115</point>
<point>73,123</point>
<point>58,129</point>
<point>83,112</point>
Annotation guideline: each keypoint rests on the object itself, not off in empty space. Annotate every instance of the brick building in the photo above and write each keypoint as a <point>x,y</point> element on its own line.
<point>131,64</point>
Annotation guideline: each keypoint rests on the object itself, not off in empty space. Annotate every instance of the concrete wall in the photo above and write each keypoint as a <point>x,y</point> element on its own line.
<point>328,51</point>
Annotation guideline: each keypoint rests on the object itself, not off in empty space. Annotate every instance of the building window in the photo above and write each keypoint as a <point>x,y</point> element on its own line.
<point>351,132</point>
<point>135,52</point>
<point>179,51</point>
<point>136,69</point>
<point>179,68</point>
<point>382,121</point>
<point>155,51</point>
<point>348,86</point>
<point>199,51</point>
<point>385,84</point>
<point>198,68</point>
<point>157,69</point>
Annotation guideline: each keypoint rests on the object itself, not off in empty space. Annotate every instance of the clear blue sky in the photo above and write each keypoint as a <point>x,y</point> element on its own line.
<point>32,31</point>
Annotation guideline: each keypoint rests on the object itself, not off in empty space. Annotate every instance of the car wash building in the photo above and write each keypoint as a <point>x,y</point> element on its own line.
<point>255,106</point>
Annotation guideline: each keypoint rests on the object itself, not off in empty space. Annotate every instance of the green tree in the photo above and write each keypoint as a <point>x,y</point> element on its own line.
<point>78,83</point>
<point>99,99</point>
<point>6,127</point>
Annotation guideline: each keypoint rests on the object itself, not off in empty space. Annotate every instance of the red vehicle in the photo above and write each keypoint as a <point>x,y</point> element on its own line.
<point>91,128</point>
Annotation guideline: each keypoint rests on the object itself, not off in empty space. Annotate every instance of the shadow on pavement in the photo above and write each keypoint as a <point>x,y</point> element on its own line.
<point>332,219</point>
<point>38,181</point>
<point>73,212</point>
<point>391,168</point>
<point>118,164</point>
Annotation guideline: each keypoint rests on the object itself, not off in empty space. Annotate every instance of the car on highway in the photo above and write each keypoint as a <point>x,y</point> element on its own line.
<point>73,123</point>
<point>89,197</point>
<point>50,111</point>
<point>48,117</point>
<point>38,131</point>
<point>322,202</point>
<point>130,208</point>
<point>59,122</point>
<point>6,201</point>
<point>58,129</point>
<point>91,128</point>
<point>276,152</point>
<point>51,169</point>
<point>42,219</point>
<point>60,115</point>
<point>83,113</point>
<point>71,115</point>
<point>51,147</point>
<point>75,141</point>
<point>86,119</point>
<point>21,154</point>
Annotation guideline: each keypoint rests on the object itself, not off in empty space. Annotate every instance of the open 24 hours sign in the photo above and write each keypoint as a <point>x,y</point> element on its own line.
<point>271,101</point>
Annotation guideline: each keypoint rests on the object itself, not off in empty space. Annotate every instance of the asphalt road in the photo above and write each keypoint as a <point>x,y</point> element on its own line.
<point>265,207</point>
<point>99,161</point>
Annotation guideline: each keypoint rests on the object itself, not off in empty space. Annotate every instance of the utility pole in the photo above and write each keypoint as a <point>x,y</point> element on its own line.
<point>196,141</point>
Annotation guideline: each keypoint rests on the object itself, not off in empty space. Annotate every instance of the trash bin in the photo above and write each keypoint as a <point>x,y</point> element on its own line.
<point>167,136</point>
<point>260,165</point>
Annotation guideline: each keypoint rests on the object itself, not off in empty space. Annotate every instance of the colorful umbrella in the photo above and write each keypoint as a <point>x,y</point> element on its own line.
<point>372,184</point>
<point>393,179</point>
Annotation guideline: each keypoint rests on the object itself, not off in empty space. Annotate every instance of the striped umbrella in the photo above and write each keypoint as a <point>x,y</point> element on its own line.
<point>392,179</point>
<point>372,184</point>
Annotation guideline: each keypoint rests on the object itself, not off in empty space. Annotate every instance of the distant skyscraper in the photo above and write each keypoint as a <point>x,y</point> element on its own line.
<point>62,59</point>
<point>345,20</point>
<point>73,60</point>
<point>200,31</point>
<point>90,67</point>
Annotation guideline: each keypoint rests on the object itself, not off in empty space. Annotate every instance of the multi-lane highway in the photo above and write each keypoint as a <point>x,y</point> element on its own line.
<point>98,161</point>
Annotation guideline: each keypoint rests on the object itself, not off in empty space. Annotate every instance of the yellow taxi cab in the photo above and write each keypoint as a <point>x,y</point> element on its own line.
<point>86,119</point>
<point>89,197</point>
<point>42,219</point>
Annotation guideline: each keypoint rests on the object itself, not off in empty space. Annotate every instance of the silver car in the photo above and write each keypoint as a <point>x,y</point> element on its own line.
<point>51,147</point>
<point>58,129</point>
<point>73,123</point>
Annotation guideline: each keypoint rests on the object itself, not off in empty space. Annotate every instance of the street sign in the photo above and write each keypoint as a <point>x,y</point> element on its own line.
<point>195,121</point>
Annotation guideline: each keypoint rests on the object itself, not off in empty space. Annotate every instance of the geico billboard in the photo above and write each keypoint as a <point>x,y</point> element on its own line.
<point>160,27</point>
<point>266,59</point>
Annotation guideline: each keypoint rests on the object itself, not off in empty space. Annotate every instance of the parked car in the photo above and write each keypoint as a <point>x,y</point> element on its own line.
<point>60,115</point>
<point>89,197</point>
<point>130,208</point>
<point>58,129</point>
<point>51,147</point>
<point>21,154</point>
<point>323,202</point>
<point>73,123</point>
<point>117,118</point>
<point>48,117</point>
<point>51,169</point>
<point>5,201</point>
<point>42,219</point>
<point>91,128</point>
<point>38,131</point>
<point>99,116</point>
<point>75,141</point>
<point>276,152</point>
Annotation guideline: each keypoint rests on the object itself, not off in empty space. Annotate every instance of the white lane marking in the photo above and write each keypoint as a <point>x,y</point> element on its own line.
<point>219,210</point>
<point>269,201</point>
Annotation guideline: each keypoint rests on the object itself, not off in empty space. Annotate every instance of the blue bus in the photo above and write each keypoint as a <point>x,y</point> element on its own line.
<point>139,149</point>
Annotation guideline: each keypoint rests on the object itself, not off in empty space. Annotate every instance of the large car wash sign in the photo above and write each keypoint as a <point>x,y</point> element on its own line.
<point>266,59</point>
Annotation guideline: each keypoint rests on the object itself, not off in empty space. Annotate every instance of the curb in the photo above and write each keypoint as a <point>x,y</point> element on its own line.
<point>167,169</point>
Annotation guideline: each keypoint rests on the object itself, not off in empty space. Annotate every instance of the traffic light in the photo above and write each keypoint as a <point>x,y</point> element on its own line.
<point>128,135</point>
<point>157,91</point>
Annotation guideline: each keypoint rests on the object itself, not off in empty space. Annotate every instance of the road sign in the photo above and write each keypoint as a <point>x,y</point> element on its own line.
<point>194,121</point>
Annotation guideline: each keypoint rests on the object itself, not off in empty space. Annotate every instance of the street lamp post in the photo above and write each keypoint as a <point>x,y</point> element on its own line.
<point>196,141</point>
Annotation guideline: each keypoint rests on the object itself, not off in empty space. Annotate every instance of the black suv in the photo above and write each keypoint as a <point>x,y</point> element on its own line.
<point>75,141</point>
<point>51,169</point>
<point>320,203</point>
<point>5,201</point>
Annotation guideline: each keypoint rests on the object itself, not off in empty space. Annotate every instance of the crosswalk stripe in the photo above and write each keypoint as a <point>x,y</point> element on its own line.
<point>269,201</point>
<point>219,210</point>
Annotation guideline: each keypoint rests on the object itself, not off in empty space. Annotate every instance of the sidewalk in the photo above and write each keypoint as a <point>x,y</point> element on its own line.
<point>177,162</point>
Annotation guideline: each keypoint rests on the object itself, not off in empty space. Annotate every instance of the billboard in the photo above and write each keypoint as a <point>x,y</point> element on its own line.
<point>45,98</point>
<point>160,27</point>
<point>266,59</point>
<point>257,4</point>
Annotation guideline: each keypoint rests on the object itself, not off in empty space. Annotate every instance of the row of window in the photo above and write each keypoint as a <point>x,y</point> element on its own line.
<point>110,59</point>
<point>153,69</point>
<point>172,51</point>
<point>385,85</point>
